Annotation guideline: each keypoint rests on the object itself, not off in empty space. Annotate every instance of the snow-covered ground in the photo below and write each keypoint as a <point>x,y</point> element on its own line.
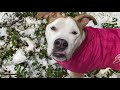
<point>10,64</point>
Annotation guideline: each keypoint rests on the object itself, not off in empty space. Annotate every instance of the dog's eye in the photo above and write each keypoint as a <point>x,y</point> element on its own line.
<point>53,28</point>
<point>74,32</point>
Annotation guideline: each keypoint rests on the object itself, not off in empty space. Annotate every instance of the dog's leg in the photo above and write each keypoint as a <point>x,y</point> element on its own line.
<point>75,75</point>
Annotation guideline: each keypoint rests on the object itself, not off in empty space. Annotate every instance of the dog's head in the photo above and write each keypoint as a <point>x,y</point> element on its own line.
<point>64,34</point>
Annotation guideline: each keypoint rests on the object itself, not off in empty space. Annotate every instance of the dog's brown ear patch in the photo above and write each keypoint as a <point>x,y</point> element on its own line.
<point>84,19</point>
<point>50,15</point>
<point>41,15</point>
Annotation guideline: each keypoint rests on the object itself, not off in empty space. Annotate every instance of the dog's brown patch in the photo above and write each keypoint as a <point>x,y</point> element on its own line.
<point>79,26</point>
<point>50,15</point>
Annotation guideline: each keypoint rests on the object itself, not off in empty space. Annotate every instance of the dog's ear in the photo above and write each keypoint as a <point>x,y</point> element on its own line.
<point>41,15</point>
<point>84,19</point>
<point>50,15</point>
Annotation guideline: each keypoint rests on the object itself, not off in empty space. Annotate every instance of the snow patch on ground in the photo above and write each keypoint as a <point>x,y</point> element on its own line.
<point>3,32</point>
<point>51,62</point>
<point>103,17</point>
<point>1,43</point>
<point>30,20</point>
<point>31,44</point>
<point>19,57</point>
<point>42,61</point>
<point>29,31</point>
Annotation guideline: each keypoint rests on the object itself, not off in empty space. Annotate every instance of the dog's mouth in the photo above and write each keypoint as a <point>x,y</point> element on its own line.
<point>59,55</point>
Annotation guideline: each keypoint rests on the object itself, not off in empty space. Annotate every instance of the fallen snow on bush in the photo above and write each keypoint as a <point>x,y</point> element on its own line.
<point>19,57</point>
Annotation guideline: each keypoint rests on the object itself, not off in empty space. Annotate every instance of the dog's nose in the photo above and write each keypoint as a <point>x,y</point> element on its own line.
<point>60,44</point>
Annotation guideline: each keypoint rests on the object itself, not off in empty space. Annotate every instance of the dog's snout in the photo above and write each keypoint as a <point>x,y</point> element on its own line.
<point>61,44</point>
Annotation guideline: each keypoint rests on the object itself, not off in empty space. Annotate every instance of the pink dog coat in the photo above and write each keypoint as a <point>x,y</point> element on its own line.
<point>99,50</point>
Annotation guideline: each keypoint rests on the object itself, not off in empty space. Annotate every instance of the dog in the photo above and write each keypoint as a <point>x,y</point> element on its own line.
<point>80,48</point>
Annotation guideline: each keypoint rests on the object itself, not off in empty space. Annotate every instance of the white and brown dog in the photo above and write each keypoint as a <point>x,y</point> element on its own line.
<point>79,48</point>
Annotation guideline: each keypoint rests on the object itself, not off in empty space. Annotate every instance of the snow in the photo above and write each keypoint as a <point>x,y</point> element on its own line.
<point>30,20</point>
<point>37,50</point>
<point>11,68</point>
<point>42,40</point>
<point>103,17</point>
<point>51,62</point>
<point>42,61</point>
<point>1,43</point>
<point>103,72</point>
<point>113,76</point>
<point>19,57</point>
<point>31,44</point>
<point>33,22</point>
<point>1,15</point>
<point>29,31</point>
<point>3,31</point>
<point>44,21</point>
